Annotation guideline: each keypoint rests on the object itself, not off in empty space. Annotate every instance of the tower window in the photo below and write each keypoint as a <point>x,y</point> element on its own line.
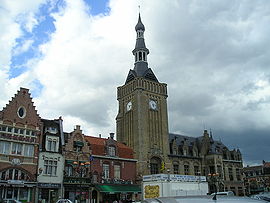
<point>136,57</point>
<point>144,56</point>
<point>140,56</point>
<point>139,34</point>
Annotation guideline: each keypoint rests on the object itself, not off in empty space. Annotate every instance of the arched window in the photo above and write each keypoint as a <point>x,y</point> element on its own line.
<point>155,165</point>
<point>69,170</point>
<point>13,174</point>
<point>144,56</point>
<point>140,56</point>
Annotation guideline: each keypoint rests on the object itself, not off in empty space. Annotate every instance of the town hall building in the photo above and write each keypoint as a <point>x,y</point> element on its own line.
<point>142,124</point>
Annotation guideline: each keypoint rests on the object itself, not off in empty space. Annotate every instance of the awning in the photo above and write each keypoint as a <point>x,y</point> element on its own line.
<point>118,188</point>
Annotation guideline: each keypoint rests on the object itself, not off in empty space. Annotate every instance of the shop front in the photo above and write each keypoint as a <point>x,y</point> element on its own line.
<point>77,193</point>
<point>49,192</point>
<point>125,193</point>
<point>18,190</point>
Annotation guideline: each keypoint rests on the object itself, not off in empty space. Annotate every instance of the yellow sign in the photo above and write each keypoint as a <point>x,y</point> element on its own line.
<point>151,191</point>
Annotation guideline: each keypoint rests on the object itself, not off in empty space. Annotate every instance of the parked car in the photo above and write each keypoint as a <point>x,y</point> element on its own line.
<point>262,196</point>
<point>64,201</point>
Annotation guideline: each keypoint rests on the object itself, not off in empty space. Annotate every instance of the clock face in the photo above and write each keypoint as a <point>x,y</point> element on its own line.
<point>129,106</point>
<point>153,104</point>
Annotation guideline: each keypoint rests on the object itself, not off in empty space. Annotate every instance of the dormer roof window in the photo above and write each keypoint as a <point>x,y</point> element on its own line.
<point>52,130</point>
<point>111,151</point>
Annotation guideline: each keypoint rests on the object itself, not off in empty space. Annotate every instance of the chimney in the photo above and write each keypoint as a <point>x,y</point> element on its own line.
<point>77,127</point>
<point>111,135</point>
<point>99,135</point>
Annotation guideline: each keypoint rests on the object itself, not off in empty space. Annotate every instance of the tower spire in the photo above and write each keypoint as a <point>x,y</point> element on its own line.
<point>140,52</point>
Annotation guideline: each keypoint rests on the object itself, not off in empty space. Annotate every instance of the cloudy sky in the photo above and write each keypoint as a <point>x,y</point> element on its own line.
<point>214,56</point>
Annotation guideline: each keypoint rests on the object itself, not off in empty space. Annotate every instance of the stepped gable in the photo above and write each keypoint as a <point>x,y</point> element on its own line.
<point>21,110</point>
<point>98,146</point>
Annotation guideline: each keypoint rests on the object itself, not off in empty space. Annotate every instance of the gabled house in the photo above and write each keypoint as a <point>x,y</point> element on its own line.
<point>77,174</point>
<point>20,128</point>
<point>51,161</point>
<point>113,170</point>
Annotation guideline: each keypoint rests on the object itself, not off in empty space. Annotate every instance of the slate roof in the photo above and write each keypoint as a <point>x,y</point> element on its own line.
<point>139,25</point>
<point>197,141</point>
<point>181,138</point>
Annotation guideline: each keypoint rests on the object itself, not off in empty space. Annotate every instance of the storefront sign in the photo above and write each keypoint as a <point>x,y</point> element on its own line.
<point>151,191</point>
<point>174,177</point>
<point>15,182</point>
<point>49,185</point>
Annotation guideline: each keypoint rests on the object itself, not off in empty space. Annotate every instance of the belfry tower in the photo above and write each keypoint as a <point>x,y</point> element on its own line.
<point>142,120</point>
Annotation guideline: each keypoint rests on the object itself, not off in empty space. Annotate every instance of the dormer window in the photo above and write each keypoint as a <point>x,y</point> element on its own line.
<point>111,151</point>
<point>52,130</point>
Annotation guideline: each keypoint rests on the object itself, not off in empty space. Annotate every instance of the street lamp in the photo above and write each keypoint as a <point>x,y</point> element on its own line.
<point>213,179</point>
<point>80,173</point>
<point>168,171</point>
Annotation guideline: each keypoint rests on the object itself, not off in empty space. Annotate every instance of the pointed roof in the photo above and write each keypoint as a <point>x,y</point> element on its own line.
<point>21,110</point>
<point>139,25</point>
<point>140,66</point>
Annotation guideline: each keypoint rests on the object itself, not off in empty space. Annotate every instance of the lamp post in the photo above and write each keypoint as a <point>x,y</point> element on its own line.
<point>80,173</point>
<point>168,171</point>
<point>213,179</point>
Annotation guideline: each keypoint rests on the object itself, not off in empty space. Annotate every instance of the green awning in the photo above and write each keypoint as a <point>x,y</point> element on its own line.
<point>118,188</point>
<point>69,162</point>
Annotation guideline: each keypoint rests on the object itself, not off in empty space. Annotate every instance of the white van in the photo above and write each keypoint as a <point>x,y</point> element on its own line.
<point>227,193</point>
